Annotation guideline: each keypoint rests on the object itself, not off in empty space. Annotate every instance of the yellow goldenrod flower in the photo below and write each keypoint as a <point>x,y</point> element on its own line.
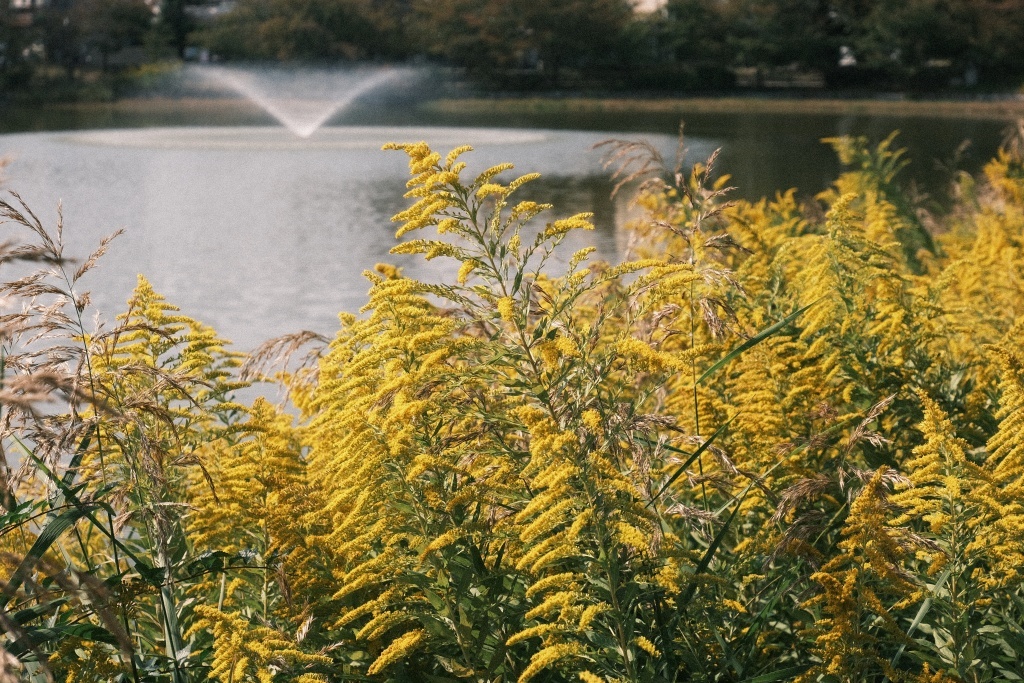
<point>399,649</point>
<point>645,358</point>
<point>591,613</point>
<point>734,605</point>
<point>538,631</point>
<point>632,537</point>
<point>506,309</point>
<point>592,420</point>
<point>580,221</point>
<point>465,270</point>
<point>647,646</point>
<point>547,657</point>
<point>455,154</point>
<point>488,189</point>
<point>491,172</point>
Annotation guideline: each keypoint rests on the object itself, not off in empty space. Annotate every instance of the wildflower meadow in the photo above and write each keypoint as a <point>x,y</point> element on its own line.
<point>781,440</point>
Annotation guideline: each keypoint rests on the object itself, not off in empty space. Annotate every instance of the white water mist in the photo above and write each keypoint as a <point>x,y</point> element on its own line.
<point>302,98</point>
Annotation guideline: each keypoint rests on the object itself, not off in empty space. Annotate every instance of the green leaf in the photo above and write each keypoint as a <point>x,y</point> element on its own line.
<point>754,341</point>
<point>35,637</point>
<point>22,617</point>
<point>702,566</point>
<point>72,470</point>
<point>754,629</point>
<point>921,613</point>
<point>151,576</point>
<point>780,675</point>
<point>20,514</point>
<point>689,461</point>
<point>46,538</point>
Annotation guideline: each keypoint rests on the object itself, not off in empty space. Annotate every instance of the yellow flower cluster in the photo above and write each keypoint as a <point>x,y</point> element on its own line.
<point>507,309</point>
<point>242,651</point>
<point>547,658</point>
<point>398,649</point>
<point>580,221</point>
<point>782,438</point>
<point>645,358</point>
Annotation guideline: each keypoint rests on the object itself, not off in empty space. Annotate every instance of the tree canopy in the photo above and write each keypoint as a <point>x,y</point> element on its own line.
<point>898,40</point>
<point>879,43</point>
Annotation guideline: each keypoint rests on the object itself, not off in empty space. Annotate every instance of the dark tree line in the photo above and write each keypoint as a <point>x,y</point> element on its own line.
<point>687,44</point>
<point>484,35</point>
<point>894,39</point>
<point>901,42</point>
<point>72,34</point>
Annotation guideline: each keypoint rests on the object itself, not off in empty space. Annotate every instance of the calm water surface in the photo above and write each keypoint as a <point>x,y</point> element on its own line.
<point>765,153</point>
<point>259,233</point>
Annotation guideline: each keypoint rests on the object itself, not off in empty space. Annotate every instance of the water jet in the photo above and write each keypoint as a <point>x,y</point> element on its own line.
<point>301,98</point>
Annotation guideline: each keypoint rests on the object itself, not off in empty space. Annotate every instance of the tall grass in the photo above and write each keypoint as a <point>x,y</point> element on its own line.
<point>779,442</point>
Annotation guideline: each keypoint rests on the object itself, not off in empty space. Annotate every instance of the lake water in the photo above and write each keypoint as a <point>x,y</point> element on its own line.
<point>765,153</point>
<point>259,233</point>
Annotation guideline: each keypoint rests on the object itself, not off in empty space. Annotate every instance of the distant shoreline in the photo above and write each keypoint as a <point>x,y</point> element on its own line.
<point>130,112</point>
<point>500,111</point>
<point>997,110</point>
<point>162,104</point>
<point>1002,109</point>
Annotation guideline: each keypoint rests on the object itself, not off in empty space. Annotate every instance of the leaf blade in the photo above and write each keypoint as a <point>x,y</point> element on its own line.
<point>754,341</point>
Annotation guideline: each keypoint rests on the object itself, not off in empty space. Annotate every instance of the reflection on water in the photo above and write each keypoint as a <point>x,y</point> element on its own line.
<point>258,233</point>
<point>766,153</point>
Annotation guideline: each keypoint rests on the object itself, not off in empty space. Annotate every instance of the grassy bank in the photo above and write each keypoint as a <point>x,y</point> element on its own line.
<point>168,105</point>
<point>544,111</point>
<point>979,110</point>
<point>132,113</point>
<point>231,109</point>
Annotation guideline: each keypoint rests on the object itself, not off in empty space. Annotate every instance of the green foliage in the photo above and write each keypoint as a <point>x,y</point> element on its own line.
<point>326,29</point>
<point>533,35</point>
<point>687,45</point>
<point>921,44</point>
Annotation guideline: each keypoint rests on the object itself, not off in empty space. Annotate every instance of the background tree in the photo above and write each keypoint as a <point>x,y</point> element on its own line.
<point>998,45</point>
<point>545,35</point>
<point>574,32</point>
<point>480,35</point>
<point>906,43</point>
<point>686,45</point>
<point>14,37</point>
<point>108,26</point>
<point>781,32</point>
<point>60,35</point>
<point>903,37</point>
<point>693,30</point>
<point>176,24</point>
<point>321,29</point>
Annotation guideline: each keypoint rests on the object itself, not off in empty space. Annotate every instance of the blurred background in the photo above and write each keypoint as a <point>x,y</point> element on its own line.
<point>104,48</point>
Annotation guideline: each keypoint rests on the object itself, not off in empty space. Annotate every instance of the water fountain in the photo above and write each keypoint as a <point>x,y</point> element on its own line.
<point>301,98</point>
